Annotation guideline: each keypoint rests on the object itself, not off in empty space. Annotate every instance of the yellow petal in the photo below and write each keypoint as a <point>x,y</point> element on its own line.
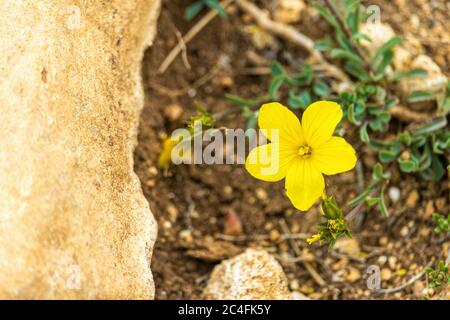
<point>319,121</point>
<point>334,156</point>
<point>274,116</point>
<point>304,184</point>
<point>268,162</point>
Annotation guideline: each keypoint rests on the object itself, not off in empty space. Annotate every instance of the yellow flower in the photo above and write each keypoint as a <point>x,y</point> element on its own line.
<point>300,152</point>
<point>314,238</point>
<point>165,157</point>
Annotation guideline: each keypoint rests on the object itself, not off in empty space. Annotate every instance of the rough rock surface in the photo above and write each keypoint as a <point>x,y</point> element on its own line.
<point>435,81</point>
<point>254,274</point>
<point>73,220</point>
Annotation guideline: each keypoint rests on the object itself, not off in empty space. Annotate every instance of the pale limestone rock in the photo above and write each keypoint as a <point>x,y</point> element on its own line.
<point>378,33</point>
<point>255,274</point>
<point>73,220</point>
<point>435,81</point>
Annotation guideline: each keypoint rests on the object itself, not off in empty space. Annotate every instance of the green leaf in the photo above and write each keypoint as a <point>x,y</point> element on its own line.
<point>353,17</point>
<point>300,101</point>
<point>364,136</point>
<point>405,137</point>
<point>387,46</point>
<point>363,196</point>
<point>276,69</point>
<point>241,102</point>
<point>433,126</point>
<point>408,166</point>
<point>372,201</point>
<point>376,125</point>
<point>436,171</point>
<point>274,86</point>
<point>419,96</point>
<point>387,156</point>
<point>193,10</point>
<point>339,53</point>
<point>326,44</point>
<point>328,16</point>
<point>413,73</point>
<point>321,89</point>
<point>344,43</point>
<point>379,174</point>
<point>351,115</point>
<point>380,68</point>
<point>357,71</point>
<point>215,5</point>
<point>382,204</point>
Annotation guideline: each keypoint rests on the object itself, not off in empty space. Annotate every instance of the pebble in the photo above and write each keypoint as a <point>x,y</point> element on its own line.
<point>383,241</point>
<point>227,81</point>
<point>404,231</point>
<point>274,234</point>
<point>186,236</point>
<point>261,194</point>
<point>413,198</point>
<point>394,194</point>
<point>294,285</point>
<point>228,190</point>
<point>353,274</point>
<point>153,170</point>
<point>392,261</point>
<point>167,224</point>
<point>173,112</point>
<point>382,260</point>
<point>173,212</point>
<point>386,274</point>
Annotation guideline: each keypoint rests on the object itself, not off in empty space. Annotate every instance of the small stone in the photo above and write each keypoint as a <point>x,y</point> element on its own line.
<point>173,112</point>
<point>252,275</point>
<point>173,212</point>
<point>382,260</point>
<point>289,11</point>
<point>404,231</point>
<point>383,241</point>
<point>348,247</point>
<point>298,296</point>
<point>233,224</point>
<point>413,198</point>
<point>227,81</point>
<point>195,214</point>
<point>429,210</point>
<point>150,183</point>
<point>167,224</point>
<point>153,170</point>
<point>392,261</point>
<point>227,190</point>
<point>261,194</point>
<point>425,232</point>
<point>394,194</point>
<point>353,274</point>
<point>186,236</point>
<point>294,285</point>
<point>274,235</point>
<point>386,274</point>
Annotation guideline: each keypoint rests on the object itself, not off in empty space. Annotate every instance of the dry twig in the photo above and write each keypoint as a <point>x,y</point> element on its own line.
<point>203,22</point>
<point>314,274</point>
<point>292,35</point>
<point>406,284</point>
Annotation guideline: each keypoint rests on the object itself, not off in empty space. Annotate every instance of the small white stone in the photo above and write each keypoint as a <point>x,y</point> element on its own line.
<point>394,194</point>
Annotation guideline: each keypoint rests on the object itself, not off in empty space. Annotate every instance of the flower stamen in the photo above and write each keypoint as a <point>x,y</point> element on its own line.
<point>305,151</point>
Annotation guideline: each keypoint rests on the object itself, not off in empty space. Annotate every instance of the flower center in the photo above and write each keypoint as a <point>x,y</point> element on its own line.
<point>304,151</point>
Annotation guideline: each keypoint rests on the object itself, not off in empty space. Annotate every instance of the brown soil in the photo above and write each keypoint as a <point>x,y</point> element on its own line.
<point>197,198</point>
